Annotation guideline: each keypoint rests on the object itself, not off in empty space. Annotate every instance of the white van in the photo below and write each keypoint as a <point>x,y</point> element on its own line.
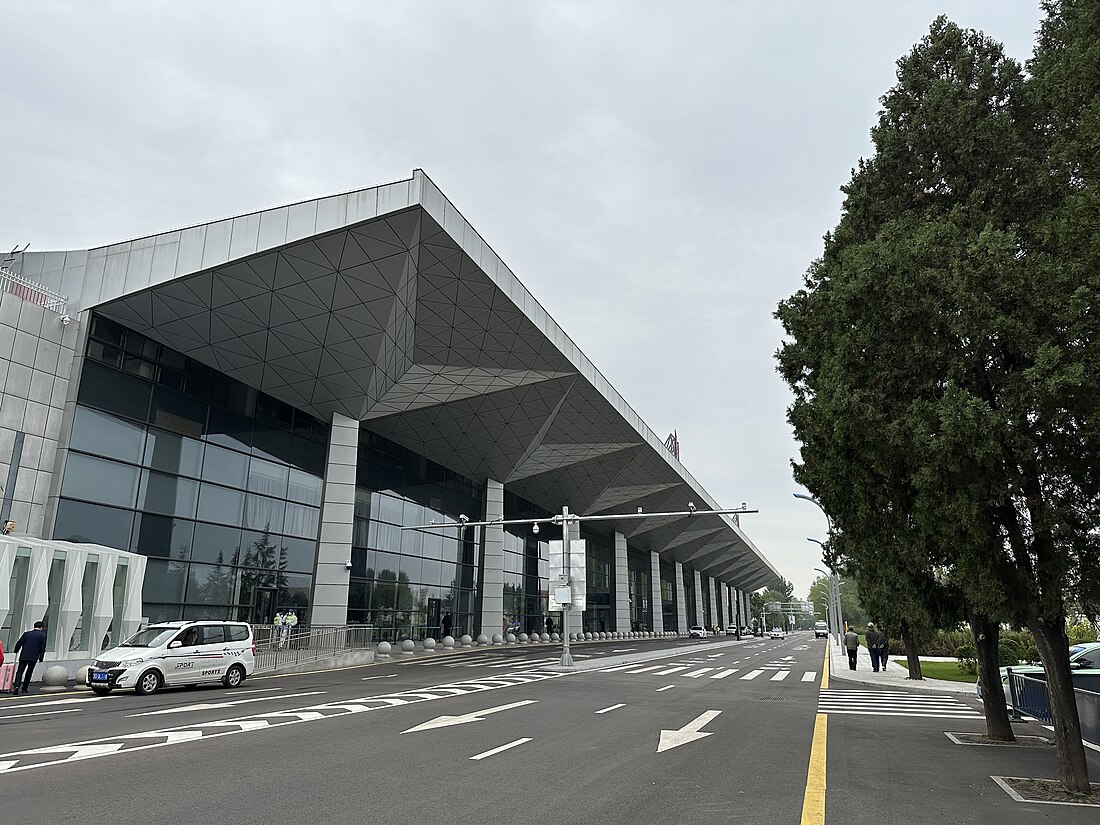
<point>176,653</point>
<point>821,630</point>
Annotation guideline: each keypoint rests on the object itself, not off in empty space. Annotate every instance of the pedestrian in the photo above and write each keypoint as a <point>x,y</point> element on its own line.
<point>851,644</point>
<point>31,648</point>
<point>875,642</point>
<point>279,629</point>
<point>549,624</point>
<point>290,621</point>
<point>448,623</point>
<point>884,654</point>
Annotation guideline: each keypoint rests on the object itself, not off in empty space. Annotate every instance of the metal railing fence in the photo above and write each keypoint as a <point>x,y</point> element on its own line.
<point>1030,696</point>
<point>281,646</point>
<point>31,291</point>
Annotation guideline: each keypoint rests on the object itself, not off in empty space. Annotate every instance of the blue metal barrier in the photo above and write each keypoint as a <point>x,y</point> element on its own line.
<point>1029,695</point>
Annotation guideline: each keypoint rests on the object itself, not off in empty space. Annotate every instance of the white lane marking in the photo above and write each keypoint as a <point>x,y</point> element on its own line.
<point>809,675</point>
<point>666,687</point>
<point>671,670</point>
<point>722,674</point>
<point>462,719</point>
<point>644,669</point>
<point>623,649</point>
<point>941,715</point>
<point>617,667</point>
<point>688,733</point>
<point>781,675</point>
<point>220,705</point>
<point>695,674</point>
<point>40,713</point>
<point>52,702</point>
<point>387,676</point>
<point>752,674</point>
<point>502,748</point>
<point>613,707</point>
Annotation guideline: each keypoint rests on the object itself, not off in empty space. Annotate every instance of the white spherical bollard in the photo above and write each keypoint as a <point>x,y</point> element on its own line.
<point>498,639</point>
<point>555,637</point>
<point>383,650</point>
<point>482,639</point>
<point>448,642</point>
<point>82,677</point>
<point>524,638</point>
<point>407,647</point>
<point>465,640</point>
<point>587,635</point>
<point>510,638</point>
<point>55,678</point>
<point>545,637</point>
<point>429,645</point>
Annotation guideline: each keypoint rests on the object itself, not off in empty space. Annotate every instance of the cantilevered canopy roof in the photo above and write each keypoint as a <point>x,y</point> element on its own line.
<point>386,306</point>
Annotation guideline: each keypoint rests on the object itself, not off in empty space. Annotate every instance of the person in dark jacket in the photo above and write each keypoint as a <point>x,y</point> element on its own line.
<point>851,644</point>
<point>876,643</point>
<point>31,648</point>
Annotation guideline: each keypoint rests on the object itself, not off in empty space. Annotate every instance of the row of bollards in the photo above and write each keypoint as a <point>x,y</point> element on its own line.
<point>408,646</point>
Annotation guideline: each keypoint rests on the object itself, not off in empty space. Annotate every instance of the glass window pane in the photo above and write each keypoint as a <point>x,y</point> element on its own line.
<point>263,513</point>
<point>166,494</point>
<point>103,434</point>
<point>163,581</point>
<point>221,504</point>
<point>209,584</point>
<point>261,550</point>
<point>93,523</point>
<point>271,443</point>
<point>224,466</point>
<point>114,391</point>
<point>162,536</point>
<point>173,453</point>
<point>294,592</point>
<point>229,430</point>
<point>301,520</point>
<point>306,488</point>
<point>216,544</point>
<point>267,478</point>
<point>98,480</point>
<point>300,554</point>
<point>178,412</point>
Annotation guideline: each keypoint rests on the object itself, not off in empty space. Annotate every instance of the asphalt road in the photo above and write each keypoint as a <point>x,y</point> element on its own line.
<point>712,730</point>
<point>550,744</point>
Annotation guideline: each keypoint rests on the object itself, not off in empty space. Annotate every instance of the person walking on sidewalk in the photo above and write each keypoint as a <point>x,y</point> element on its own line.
<point>875,643</point>
<point>31,648</point>
<point>851,644</point>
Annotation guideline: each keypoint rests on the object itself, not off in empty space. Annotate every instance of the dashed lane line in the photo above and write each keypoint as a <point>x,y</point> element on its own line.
<point>501,749</point>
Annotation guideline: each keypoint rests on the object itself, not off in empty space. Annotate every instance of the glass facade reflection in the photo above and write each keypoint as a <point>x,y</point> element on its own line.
<point>220,485</point>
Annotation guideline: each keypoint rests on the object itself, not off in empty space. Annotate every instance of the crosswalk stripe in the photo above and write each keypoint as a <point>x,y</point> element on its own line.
<point>752,675</point>
<point>809,675</point>
<point>722,674</point>
<point>942,715</point>
<point>695,674</point>
<point>644,669</point>
<point>781,675</point>
<point>671,670</point>
<point>613,669</point>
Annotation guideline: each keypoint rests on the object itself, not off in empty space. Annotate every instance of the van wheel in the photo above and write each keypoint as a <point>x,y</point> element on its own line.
<point>234,677</point>
<point>101,691</point>
<point>148,683</point>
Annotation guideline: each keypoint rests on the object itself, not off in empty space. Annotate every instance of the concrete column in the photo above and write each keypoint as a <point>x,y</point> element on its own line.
<point>622,585</point>
<point>681,599</point>
<point>656,606</point>
<point>700,618</point>
<point>719,603</point>
<point>492,562</point>
<point>330,582</point>
<point>712,598</point>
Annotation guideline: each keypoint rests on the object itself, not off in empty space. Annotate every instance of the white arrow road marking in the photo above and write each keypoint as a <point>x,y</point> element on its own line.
<point>688,733</point>
<point>80,751</point>
<point>7,764</point>
<point>502,748</point>
<point>476,716</point>
<point>613,707</point>
<point>171,737</point>
<point>220,705</point>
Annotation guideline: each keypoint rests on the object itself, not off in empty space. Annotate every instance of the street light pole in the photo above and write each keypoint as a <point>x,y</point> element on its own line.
<point>833,612</point>
<point>833,577</point>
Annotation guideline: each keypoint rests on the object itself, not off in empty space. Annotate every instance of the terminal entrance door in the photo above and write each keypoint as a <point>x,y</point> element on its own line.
<point>263,605</point>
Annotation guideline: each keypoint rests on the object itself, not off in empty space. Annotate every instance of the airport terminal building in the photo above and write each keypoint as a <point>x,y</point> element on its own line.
<point>257,405</point>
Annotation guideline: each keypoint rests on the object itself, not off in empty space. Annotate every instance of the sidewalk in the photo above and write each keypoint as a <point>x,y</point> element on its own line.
<point>895,676</point>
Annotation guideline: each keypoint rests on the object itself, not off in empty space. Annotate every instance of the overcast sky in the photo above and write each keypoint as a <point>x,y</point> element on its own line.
<point>659,175</point>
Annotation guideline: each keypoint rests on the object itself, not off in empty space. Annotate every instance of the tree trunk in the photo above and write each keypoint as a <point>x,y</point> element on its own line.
<point>912,656</point>
<point>1053,646</point>
<point>987,636</point>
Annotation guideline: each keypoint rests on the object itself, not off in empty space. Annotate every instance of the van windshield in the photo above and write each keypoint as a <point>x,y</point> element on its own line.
<point>151,637</point>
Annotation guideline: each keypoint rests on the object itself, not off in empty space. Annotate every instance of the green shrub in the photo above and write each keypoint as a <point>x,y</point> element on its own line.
<point>968,658</point>
<point>1081,632</point>
<point>1008,653</point>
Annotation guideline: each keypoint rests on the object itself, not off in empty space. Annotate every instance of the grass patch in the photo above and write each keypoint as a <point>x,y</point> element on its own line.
<point>948,671</point>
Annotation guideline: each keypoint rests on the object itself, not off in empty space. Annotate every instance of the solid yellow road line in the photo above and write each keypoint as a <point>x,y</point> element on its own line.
<point>813,803</point>
<point>825,668</point>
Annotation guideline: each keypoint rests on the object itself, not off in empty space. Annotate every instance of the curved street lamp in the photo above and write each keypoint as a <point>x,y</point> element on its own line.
<point>834,585</point>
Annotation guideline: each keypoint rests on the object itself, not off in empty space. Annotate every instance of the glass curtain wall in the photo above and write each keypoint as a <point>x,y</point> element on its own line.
<point>689,598</point>
<point>219,484</point>
<point>668,594</point>
<point>600,561</point>
<point>638,570</point>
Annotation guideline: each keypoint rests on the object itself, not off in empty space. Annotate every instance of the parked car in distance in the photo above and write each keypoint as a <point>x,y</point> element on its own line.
<point>1084,659</point>
<point>778,633</point>
<point>170,654</point>
<point>821,630</point>
<point>697,632</point>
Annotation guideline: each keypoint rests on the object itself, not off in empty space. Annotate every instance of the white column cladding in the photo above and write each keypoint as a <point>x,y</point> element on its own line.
<point>698,579</point>
<point>712,619</point>
<point>103,604</point>
<point>622,585</point>
<point>131,606</point>
<point>71,606</point>
<point>330,582</point>
<point>719,601</point>
<point>492,563</point>
<point>681,598</point>
<point>656,607</point>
